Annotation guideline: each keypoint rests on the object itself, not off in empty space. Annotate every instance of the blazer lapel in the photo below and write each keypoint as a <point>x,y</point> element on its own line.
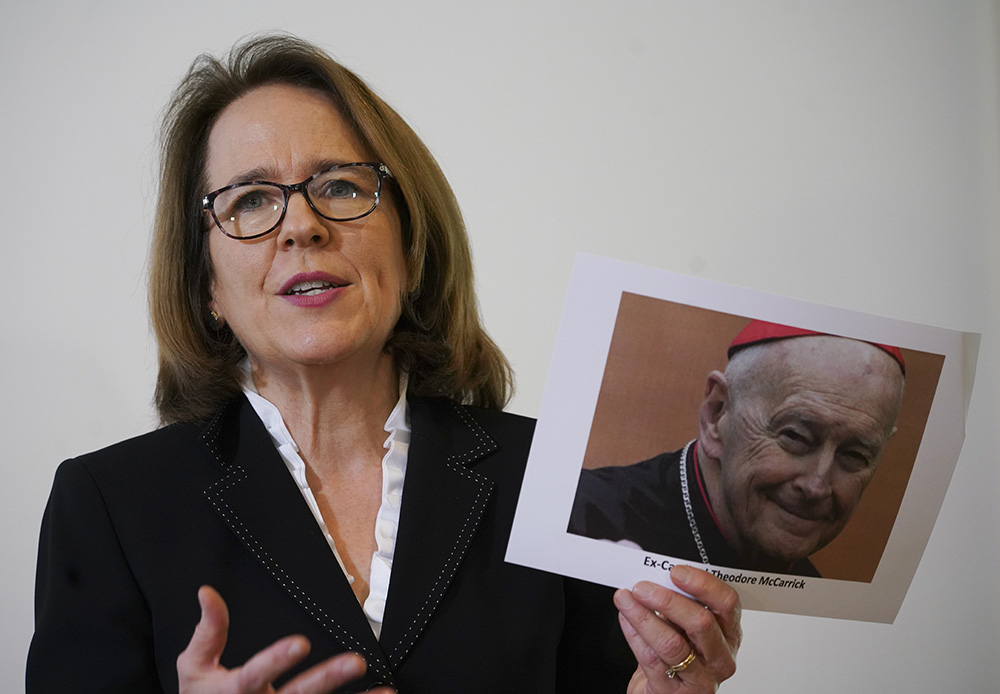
<point>259,501</point>
<point>443,504</point>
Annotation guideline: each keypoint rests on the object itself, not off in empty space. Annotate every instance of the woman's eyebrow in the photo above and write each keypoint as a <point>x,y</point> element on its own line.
<point>255,174</point>
<point>267,174</point>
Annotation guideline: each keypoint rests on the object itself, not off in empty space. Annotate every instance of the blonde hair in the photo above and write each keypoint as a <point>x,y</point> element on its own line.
<point>439,340</point>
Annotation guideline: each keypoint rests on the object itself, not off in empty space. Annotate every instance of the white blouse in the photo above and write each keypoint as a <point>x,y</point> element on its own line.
<point>393,472</point>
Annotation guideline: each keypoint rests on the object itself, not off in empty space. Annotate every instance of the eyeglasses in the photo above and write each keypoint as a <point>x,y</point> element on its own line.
<point>341,193</point>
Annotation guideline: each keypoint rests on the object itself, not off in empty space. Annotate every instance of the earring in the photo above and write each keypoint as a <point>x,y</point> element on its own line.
<point>216,319</point>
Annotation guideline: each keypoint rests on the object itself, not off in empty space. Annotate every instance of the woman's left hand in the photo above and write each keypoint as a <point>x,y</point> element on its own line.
<point>665,628</point>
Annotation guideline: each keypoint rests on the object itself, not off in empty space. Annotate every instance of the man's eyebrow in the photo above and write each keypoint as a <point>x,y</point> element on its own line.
<point>800,416</point>
<point>871,446</point>
<point>795,417</point>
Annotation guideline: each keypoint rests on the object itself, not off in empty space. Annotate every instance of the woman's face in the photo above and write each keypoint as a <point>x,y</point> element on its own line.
<point>312,291</point>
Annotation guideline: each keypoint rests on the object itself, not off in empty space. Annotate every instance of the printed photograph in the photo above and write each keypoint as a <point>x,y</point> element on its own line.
<point>749,444</point>
<point>800,452</point>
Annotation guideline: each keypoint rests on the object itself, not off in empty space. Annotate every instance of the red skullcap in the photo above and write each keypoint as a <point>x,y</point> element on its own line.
<point>758,331</point>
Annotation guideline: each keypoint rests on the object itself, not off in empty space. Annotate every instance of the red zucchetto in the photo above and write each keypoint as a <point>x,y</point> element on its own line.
<point>758,331</point>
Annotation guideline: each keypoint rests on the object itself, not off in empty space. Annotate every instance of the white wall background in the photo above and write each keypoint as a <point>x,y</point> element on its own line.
<point>846,153</point>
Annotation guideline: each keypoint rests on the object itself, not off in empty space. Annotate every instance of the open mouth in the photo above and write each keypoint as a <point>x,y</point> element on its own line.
<point>311,288</point>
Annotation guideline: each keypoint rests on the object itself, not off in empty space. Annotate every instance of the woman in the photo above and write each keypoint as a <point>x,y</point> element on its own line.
<point>299,323</point>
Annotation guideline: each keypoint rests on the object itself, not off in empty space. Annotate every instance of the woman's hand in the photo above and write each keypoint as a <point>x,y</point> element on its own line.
<point>664,628</point>
<point>199,672</point>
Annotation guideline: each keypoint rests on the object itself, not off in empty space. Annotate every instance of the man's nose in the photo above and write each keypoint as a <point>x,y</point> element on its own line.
<point>816,481</point>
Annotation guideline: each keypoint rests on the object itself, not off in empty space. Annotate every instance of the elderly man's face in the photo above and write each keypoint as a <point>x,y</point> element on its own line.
<point>800,441</point>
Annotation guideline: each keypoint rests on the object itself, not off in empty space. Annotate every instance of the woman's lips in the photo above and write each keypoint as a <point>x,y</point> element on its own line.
<point>310,289</point>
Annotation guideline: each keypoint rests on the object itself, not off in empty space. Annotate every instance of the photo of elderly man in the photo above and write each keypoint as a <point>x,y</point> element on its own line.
<point>789,435</point>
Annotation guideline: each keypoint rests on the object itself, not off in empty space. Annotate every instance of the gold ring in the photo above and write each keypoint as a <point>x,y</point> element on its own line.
<point>681,666</point>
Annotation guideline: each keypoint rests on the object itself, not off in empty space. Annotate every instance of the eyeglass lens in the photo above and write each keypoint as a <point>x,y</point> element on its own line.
<point>339,194</point>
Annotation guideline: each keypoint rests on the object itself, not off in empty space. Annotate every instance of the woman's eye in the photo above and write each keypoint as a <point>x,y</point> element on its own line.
<point>251,201</point>
<point>339,188</point>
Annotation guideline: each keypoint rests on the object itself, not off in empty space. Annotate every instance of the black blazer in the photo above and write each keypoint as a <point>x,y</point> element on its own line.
<point>132,531</point>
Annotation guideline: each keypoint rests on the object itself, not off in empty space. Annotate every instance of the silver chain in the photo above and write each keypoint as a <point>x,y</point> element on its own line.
<point>687,505</point>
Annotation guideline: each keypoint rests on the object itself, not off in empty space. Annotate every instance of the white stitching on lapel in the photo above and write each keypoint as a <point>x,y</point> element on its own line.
<point>455,462</point>
<point>234,476</point>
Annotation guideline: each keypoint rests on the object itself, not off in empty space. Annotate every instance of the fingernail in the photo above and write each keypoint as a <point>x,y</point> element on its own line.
<point>353,666</point>
<point>358,665</point>
<point>680,573</point>
<point>624,599</point>
<point>296,648</point>
<point>643,590</point>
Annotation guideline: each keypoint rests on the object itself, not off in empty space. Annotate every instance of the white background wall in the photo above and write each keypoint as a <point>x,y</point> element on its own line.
<point>845,153</point>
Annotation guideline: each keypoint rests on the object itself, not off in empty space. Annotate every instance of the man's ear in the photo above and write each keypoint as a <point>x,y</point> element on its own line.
<point>713,408</point>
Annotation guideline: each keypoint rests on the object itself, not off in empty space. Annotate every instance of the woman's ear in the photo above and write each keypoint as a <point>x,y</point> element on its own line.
<point>217,321</point>
<point>714,407</point>
<point>215,316</point>
<point>215,313</point>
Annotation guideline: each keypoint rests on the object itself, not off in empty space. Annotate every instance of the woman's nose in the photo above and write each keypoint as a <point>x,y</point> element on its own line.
<point>301,225</point>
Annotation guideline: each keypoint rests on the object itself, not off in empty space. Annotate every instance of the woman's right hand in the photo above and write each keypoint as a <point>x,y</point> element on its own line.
<point>199,671</point>
<point>668,631</point>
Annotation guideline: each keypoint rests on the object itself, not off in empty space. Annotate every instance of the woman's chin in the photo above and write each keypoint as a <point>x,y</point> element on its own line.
<point>318,354</point>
